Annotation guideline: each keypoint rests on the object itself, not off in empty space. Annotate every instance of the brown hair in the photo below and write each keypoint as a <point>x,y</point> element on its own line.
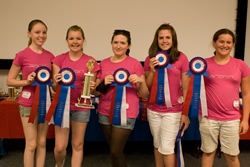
<point>173,52</point>
<point>32,24</point>
<point>223,31</point>
<point>124,33</point>
<point>75,28</point>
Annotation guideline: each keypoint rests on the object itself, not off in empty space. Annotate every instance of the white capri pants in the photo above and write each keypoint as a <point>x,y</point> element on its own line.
<point>164,128</point>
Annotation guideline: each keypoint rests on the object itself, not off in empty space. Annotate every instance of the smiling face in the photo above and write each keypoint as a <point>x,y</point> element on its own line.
<point>75,41</point>
<point>223,45</point>
<point>38,34</point>
<point>165,40</point>
<point>120,45</point>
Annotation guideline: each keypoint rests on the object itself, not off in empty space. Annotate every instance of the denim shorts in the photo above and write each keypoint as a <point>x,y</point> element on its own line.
<point>79,116</point>
<point>103,119</point>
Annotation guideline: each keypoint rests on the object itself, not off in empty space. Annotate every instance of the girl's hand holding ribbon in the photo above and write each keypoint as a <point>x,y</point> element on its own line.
<point>133,78</point>
<point>58,77</point>
<point>31,78</point>
<point>152,63</point>
<point>108,79</point>
<point>185,120</point>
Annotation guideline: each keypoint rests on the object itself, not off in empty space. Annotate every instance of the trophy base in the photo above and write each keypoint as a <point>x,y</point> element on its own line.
<point>83,105</point>
<point>11,98</point>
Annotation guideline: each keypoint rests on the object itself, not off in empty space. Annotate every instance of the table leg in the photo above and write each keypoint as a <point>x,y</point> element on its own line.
<point>2,150</point>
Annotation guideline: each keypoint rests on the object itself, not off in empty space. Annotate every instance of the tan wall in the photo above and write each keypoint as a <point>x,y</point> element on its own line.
<point>194,20</point>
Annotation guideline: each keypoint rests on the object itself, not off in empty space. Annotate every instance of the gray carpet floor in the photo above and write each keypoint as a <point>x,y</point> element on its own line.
<point>138,154</point>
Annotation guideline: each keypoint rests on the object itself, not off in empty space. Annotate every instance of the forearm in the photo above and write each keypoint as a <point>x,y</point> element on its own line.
<point>16,83</point>
<point>149,79</point>
<point>142,89</point>
<point>246,107</point>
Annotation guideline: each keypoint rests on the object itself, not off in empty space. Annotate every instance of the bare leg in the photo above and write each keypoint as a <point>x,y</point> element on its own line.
<point>158,158</point>
<point>208,159</point>
<point>169,160</point>
<point>78,132</point>
<point>232,161</point>
<point>30,133</point>
<point>61,143</point>
<point>41,144</point>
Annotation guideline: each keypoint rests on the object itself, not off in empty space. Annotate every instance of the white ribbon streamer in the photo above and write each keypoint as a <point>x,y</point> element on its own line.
<point>203,98</point>
<point>65,121</point>
<point>124,108</point>
<point>166,90</point>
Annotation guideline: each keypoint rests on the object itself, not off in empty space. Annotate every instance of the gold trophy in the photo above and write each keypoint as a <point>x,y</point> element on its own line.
<point>11,92</point>
<point>18,89</point>
<point>86,88</point>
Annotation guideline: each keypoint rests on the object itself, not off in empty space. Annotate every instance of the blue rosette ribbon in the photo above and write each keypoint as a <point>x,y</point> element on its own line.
<point>197,69</point>
<point>42,94</point>
<point>160,87</point>
<point>118,115</point>
<point>61,101</point>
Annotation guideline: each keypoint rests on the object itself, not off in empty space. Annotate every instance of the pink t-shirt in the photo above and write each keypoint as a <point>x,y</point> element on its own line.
<point>222,88</point>
<point>108,67</point>
<point>175,87</point>
<point>79,67</point>
<point>29,61</point>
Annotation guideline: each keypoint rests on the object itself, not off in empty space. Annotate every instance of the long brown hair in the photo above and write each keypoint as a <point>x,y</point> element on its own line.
<point>173,52</point>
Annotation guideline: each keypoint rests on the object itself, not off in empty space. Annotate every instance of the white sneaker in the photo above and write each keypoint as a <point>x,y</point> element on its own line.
<point>62,163</point>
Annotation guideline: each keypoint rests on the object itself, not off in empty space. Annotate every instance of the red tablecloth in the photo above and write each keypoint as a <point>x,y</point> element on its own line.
<point>10,121</point>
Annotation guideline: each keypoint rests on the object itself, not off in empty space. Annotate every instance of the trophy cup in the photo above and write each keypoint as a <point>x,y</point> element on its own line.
<point>86,88</point>
<point>18,89</point>
<point>11,92</point>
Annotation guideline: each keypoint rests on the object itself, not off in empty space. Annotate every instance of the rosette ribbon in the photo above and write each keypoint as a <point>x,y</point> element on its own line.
<point>42,94</point>
<point>196,89</point>
<point>160,87</point>
<point>118,113</point>
<point>60,105</point>
<point>179,159</point>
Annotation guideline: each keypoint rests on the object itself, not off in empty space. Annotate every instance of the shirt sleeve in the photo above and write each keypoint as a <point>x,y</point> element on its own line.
<point>146,64</point>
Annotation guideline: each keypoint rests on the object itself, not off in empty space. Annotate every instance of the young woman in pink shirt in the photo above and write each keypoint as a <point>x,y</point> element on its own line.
<point>76,60</point>
<point>227,76</point>
<point>27,61</point>
<point>165,120</point>
<point>116,134</point>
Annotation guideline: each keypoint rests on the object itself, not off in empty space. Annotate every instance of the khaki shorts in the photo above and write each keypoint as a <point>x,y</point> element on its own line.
<point>228,131</point>
<point>25,111</point>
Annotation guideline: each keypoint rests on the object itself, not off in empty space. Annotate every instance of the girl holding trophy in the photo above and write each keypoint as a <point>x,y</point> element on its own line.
<point>76,60</point>
<point>27,61</point>
<point>165,109</point>
<point>120,80</point>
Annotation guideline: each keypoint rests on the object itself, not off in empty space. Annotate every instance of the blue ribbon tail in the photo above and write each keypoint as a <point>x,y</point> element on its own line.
<point>61,105</point>
<point>195,103</point>
<point>42,103</point>
<point>118,103</point>
<point>160,86</point>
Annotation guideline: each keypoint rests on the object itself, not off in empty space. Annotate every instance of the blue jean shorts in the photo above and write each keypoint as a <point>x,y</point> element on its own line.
<point>103,119</point>
<point>79,116</point>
